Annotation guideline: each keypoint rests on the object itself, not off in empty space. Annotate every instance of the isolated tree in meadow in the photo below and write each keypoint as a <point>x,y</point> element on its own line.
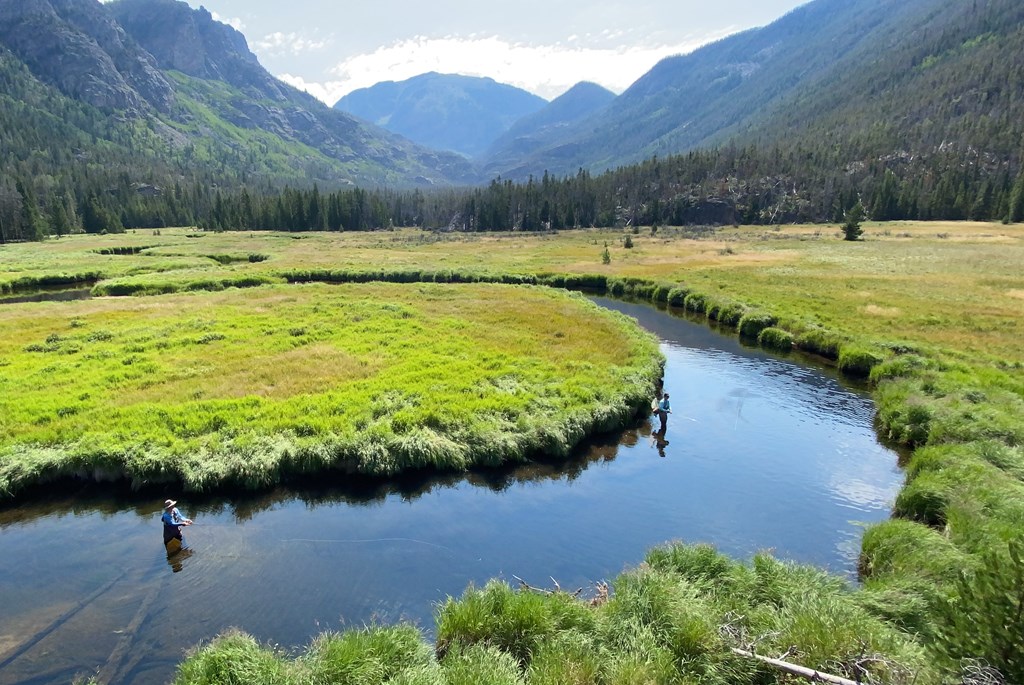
<point>851,226</point>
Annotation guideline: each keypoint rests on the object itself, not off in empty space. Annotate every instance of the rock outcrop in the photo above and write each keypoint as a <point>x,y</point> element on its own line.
<point>77,46</point>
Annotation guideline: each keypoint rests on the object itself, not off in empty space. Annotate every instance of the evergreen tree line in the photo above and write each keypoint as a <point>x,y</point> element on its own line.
<point>725,186</point>
<point>730,185</point>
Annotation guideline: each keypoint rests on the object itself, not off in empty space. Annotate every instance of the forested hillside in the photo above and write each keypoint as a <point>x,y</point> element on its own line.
<point>100,133</point>
<point>874,78</point>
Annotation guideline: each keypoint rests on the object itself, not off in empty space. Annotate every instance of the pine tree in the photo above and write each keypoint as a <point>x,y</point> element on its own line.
<point>851,228</point>
<point>32,225</point>
<point>1017,199</point>
<point>59,224</point>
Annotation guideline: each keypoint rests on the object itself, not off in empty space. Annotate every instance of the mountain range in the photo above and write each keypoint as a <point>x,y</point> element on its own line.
<point>200,94</point>
<point>463,114</point>
<point>105,101</point>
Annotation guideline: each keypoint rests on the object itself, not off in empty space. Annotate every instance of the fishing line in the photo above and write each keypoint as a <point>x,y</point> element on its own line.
<point>420,542</point>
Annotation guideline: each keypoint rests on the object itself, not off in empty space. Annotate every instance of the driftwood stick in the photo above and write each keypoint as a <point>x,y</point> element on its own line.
<point>794,669</point>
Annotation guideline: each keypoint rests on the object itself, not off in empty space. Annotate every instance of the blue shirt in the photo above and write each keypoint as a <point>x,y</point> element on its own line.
<point>664,405</point>
<point>172,519</point>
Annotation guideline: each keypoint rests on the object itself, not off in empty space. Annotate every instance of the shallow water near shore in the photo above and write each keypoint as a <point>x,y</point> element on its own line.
<point>761,452</point>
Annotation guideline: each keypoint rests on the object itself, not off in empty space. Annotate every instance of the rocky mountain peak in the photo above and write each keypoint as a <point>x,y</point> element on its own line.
<point>78,47</point>
<point>193,42</point>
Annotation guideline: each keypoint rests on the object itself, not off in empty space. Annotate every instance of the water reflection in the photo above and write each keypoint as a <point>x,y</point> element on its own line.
<point>176,560</point>
<point>53,295</point>
<point>759,452</point>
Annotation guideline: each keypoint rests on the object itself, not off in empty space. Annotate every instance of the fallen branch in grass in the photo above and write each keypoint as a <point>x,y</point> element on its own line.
<point>794,669</point>
<point>558,588</point>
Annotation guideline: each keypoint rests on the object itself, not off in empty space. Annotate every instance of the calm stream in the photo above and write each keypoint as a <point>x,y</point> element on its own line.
<point>761,453</point>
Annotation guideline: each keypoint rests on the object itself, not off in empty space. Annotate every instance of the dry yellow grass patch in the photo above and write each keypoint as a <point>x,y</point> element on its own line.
<point>299,371</point>
<point>876,310</point>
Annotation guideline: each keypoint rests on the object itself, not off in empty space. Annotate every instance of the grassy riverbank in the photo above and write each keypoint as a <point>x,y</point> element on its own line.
<point>932,313</point>
<point>240,387</point>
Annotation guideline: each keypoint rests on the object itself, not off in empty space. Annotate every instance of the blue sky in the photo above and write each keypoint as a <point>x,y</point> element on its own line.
<point>544,46</point>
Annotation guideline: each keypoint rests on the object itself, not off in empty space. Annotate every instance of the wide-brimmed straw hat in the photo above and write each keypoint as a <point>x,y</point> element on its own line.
<point>170,503</point>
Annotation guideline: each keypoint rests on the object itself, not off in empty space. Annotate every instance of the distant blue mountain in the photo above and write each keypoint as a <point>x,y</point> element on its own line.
<point>463,114</point>
<point>534,131</point>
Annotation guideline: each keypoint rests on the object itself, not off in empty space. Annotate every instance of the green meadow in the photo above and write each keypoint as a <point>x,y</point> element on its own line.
<point>241,386</point>
<point>931,314</point>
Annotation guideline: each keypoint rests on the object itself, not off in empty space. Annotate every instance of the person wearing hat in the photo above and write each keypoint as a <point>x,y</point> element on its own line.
<point>663,410</point>
<point>173,523</point>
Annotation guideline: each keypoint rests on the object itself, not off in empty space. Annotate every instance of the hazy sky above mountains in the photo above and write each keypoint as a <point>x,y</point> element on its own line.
<point>544,46</point>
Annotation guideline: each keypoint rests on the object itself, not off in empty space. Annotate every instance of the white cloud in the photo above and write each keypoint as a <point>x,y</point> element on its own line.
<point>233,22</point>
<point>324,92</point>
<point>279,43</point>
<point>547,70</point>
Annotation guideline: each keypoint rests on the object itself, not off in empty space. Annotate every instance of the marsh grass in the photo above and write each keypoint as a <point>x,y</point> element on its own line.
<point>243,387</point>
<point>775,339</point>
<point>674,619</point>
<point>752,323</point>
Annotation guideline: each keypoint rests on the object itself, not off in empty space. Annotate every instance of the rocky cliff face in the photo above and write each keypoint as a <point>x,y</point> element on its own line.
<point>192,42</point>
<point>76,46</point>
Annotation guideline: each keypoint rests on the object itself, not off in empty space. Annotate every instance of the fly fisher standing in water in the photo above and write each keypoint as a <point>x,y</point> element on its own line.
<point>173,523</point>
<point>662,412</point>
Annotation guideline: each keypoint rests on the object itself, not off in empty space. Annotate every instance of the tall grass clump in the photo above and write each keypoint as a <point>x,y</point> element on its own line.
<point>985,619</point>
<point>365,656</point>
<point>752,323</point>
<point>696,303</point>
<point>498,616</point>
<point>726,312</point>
<point>858,361</point>
<point>775,339</point>
<point>677,296</point>
<point>235,658</point>
<point>820,342</point>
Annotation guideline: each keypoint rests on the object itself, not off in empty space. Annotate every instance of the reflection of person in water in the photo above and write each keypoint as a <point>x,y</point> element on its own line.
<point>177,560</point>
<point>173,523</point>
<point>658,440</point>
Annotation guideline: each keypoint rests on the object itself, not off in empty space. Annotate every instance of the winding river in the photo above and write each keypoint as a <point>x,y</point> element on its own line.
<point>761,452</point>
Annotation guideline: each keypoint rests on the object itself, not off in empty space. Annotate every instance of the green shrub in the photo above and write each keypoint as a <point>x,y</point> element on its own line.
<point>753,323</point>
<point>671,609</point>
<point>775,339</point>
